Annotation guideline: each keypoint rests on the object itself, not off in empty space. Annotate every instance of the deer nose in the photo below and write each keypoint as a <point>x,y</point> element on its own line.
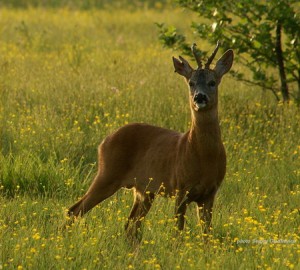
<point>200,98</point>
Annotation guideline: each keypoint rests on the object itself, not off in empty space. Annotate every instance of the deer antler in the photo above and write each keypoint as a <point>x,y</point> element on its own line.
<point>196,55</point>
<point>211,58</point>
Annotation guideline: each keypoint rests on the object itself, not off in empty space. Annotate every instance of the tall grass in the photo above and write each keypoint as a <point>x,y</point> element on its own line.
<point>69,78</point>
<point>84,5</point>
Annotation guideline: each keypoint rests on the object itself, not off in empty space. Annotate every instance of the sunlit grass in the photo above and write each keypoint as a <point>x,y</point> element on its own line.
<point>69,78</point>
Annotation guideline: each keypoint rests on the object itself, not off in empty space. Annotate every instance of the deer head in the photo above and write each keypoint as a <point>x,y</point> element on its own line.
<point>203,81</point>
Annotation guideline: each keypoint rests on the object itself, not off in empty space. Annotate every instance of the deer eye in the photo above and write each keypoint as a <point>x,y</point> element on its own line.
<point>191,84</point>
<point>211,84</point>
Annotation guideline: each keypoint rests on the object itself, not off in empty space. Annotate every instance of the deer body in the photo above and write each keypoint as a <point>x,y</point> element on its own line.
<point>152,160</point>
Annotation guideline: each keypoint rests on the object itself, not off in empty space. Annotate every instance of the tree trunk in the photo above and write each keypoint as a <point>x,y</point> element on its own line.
<point>280,61</point>
<point>298,97</point>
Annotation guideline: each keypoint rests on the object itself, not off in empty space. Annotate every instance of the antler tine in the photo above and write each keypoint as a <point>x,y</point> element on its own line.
<point>195,53</point>
<point>211,58</point>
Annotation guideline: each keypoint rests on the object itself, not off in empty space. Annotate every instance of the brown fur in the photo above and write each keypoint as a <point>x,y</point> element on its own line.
<point>150,159</point>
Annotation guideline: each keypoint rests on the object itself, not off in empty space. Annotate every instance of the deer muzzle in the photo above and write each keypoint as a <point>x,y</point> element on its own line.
<point>200,100</point>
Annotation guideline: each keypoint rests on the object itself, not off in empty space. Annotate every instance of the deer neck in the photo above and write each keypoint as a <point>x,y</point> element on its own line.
<point>205,135</point>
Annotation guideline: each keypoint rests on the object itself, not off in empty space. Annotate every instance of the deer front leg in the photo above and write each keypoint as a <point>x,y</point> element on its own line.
<point>205,213</point>
<point>180,209</point>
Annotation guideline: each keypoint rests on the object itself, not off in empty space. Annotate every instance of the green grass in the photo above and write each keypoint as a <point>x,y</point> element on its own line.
<point>67,79</point>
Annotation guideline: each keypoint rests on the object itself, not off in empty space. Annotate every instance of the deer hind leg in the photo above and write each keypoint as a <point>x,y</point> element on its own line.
<point>101,188</point>
<point>141,206</point>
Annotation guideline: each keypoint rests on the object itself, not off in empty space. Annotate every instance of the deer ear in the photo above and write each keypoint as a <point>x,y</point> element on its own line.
<point>182,67</point>
<point>224,64</point>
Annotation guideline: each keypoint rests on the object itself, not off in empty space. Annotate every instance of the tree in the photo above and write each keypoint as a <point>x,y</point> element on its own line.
<point>264,34</point>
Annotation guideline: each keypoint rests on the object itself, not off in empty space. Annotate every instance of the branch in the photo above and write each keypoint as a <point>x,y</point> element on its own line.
<point>260,85</point>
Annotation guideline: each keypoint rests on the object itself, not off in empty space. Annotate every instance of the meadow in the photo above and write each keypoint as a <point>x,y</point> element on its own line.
<point>68,78</point>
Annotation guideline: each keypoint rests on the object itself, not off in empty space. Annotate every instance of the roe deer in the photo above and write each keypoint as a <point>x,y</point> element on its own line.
<point>149,159</point>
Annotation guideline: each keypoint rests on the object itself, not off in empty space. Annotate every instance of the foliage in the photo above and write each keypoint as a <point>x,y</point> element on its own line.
<point>67,79</point>
<point>249,27</point>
